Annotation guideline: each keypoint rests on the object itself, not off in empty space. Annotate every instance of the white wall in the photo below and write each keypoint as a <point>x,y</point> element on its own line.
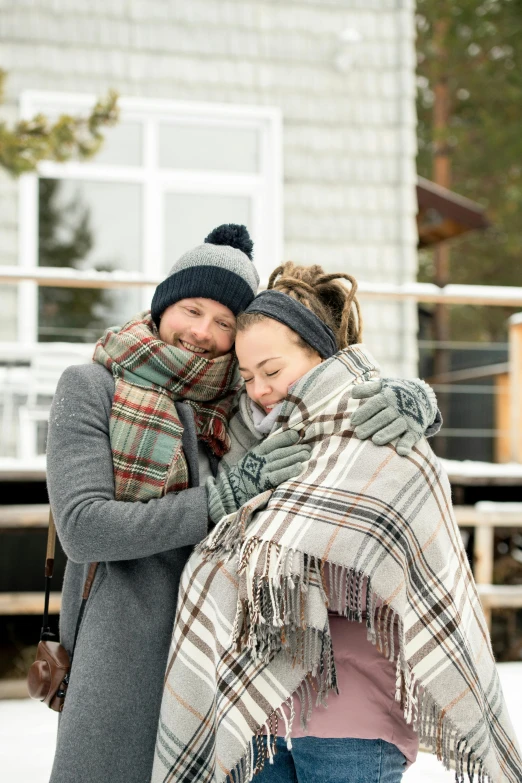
<point>348,114</point>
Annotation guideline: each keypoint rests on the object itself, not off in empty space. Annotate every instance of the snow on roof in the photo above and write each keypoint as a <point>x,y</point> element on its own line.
<point>483,472</point>
<point>492,507</point>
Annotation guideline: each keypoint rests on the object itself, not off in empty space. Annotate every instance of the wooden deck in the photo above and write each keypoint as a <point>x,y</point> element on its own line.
<point>29,516</point>
<point>14,470</point>
<point>462,473</point>
<point>484,517</point>
<point>28,603</point>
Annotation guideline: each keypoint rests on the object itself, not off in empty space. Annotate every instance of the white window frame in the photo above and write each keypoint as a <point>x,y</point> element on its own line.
<point>264,188</point>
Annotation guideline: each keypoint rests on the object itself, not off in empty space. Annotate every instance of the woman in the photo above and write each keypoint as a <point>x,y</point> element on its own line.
<point>362,534</point>
<point>363,728</point>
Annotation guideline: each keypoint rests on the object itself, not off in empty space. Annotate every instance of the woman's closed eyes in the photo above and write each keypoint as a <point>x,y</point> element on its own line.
<point>267,375</point>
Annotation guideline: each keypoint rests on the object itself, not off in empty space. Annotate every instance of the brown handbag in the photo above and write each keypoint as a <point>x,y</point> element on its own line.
<point>48,677</point>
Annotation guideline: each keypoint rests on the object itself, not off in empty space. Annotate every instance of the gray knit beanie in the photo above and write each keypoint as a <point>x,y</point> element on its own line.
<point>221,269</point>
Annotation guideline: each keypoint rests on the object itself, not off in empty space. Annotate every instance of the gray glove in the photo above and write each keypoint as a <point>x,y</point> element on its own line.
<point>396,408</point>
<point>264,467</point>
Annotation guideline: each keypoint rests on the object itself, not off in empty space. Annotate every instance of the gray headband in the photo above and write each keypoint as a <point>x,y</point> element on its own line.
<point>297,317</point>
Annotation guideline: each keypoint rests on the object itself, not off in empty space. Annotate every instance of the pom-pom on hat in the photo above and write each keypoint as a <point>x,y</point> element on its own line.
<point>220,269</point>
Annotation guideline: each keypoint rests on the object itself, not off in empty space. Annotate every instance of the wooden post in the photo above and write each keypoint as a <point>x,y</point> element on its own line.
<point>515,373</point>
<point>483,560</point>
<point>502,403</point>
<point>442,176</point>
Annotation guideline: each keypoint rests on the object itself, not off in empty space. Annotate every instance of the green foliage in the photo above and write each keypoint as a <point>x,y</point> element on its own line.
<point>37,139</point>
<point>481,59</point>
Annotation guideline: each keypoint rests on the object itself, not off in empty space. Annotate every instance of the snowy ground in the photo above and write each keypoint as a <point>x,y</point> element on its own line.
<point>28,729</point>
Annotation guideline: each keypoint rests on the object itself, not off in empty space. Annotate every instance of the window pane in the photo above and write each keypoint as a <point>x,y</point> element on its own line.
<point>8,313</point>
<point>190,217</point>
<point>209,149</point>
<point>87,225</point>
<point>122,145</point>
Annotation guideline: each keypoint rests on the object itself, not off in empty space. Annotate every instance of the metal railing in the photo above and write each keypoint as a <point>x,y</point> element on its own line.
<point>469,396</point>
<point>29,374</point>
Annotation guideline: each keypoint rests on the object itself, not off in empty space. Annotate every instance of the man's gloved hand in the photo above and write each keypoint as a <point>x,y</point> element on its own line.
<point>264,467</point>
<point>396,408</point>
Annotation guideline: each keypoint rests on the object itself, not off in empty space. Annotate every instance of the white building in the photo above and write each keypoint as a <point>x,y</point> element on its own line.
<point>293,116</point>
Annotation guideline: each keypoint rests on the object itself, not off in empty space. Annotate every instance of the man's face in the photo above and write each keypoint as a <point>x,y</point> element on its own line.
<point>201,327</point>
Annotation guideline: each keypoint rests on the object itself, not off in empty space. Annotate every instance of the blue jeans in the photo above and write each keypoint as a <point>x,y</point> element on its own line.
<point>318,760</point>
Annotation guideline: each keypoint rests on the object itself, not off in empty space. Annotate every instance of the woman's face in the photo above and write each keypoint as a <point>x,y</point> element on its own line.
<point>270,361</point>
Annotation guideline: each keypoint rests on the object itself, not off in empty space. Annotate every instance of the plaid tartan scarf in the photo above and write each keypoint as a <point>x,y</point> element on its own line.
<point>363,533</point>
<point>145,430</point>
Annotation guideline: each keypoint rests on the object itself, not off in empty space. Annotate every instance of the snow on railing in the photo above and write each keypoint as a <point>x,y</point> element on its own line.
<point>505,296</point>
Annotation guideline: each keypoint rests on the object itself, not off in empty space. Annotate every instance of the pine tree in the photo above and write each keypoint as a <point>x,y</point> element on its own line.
<point>483,46</point>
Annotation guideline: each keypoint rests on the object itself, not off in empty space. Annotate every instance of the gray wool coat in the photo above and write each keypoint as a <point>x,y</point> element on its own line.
<point>107,730</point>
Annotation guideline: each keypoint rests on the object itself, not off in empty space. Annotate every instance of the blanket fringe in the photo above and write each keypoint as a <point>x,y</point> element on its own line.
<point>272,616</point>
<point>224,540</point>
<point>442,739</point>
<point>435,733</point>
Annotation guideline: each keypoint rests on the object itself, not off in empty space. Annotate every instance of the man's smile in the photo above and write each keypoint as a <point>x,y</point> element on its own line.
<point>192,348</point>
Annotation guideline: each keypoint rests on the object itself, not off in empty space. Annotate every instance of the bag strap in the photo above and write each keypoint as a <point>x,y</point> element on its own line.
<point>46,634</point>
<point>86,590</point>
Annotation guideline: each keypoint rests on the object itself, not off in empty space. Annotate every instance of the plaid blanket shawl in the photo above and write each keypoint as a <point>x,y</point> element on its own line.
<point>145,430</point>
<point>252,623</point>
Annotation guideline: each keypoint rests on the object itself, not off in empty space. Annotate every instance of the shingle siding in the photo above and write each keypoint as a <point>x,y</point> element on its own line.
<point>349,135</point>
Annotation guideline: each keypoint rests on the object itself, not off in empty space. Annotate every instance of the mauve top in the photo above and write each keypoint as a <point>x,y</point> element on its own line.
<point>365,707</point>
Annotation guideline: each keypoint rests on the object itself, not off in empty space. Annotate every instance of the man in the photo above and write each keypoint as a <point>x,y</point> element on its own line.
<point>134,442</point>
<point>133,438</point>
